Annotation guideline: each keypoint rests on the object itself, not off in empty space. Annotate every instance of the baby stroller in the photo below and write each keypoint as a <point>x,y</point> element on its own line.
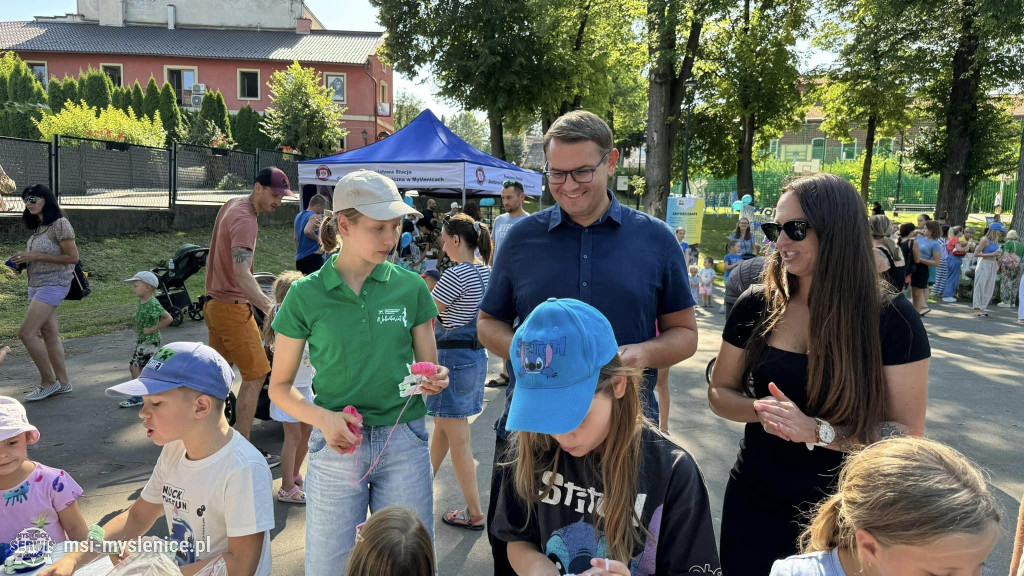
<point>266,282</point>
<point>173,295</point>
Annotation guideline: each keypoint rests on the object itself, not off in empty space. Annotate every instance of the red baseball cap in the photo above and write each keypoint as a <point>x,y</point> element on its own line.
<point>276,180</point>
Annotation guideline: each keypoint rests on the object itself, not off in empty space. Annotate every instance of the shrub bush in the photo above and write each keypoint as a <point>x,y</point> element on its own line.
<point>114,125</point>
<point>232,182</point>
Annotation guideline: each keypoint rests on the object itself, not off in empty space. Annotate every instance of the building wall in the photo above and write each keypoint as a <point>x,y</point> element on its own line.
<point>363,92</point>
<point>279,14</point>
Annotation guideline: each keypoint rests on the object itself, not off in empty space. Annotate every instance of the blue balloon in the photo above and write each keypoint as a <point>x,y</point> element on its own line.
<point>406,239</point>
<point>747,199</point>
<point>485,202</point>
<point>408,200</point>
<point>737,205</point>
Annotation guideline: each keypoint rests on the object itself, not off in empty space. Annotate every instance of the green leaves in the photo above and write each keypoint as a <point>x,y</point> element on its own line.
<point>170,113</point>
<point>245,129</point>
<point>407,108</point>
<point>111,124</point>
<point>302,114</point>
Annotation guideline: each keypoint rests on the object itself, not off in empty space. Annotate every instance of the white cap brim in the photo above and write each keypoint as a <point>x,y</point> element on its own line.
<point>138,387</point>
<point>387,210</point>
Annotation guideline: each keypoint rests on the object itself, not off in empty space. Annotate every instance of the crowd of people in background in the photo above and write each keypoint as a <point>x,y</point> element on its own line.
<point>823,359</point>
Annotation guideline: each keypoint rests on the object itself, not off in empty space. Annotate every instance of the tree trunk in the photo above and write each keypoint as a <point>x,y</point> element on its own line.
<point>665,99</point>
<point>546,120</point>
<point>960,118</point>
<point>1018,204</point>
<point>745,155</point>
<point>745,163</point>
<point>658,173</point>
<point>869,152</point>
<point>497,135</point>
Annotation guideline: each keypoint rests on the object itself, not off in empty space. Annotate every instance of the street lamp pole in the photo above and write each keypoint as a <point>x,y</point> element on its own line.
<point>688,86</point>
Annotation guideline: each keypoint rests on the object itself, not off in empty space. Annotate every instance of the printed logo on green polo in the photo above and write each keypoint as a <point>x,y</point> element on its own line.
<point>392,315</point>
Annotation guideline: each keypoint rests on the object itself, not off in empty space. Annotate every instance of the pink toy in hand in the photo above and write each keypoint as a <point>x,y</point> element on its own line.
<point>354,427</point>
<point>423,368</point>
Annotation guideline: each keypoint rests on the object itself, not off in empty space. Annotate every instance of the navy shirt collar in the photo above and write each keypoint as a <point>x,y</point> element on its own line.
<point>614,212</point>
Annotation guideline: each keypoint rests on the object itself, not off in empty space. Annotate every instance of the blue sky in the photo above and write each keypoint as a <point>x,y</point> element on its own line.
<point>357,15</point>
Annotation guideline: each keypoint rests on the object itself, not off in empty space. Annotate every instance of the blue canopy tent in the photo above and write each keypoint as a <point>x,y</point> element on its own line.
<point>424,155</point>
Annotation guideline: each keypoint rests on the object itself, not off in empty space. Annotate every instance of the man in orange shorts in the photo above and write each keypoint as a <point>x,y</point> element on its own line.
<point>233,291</point>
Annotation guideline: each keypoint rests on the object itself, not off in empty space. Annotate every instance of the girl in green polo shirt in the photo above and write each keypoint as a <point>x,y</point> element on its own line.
<point>365,321</point>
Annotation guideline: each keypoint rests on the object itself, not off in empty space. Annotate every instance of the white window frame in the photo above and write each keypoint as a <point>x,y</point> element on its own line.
<point>259,83</point>
<point>892,146</point>
<point>774,143</point>
<point>344,142</point>
<point>384,92</point>
<point>46,70</point>
<point>195,78</point>
<point>842,150</point>
<point>114,65</point>
<point>824,149</point>
<point>343,75</point>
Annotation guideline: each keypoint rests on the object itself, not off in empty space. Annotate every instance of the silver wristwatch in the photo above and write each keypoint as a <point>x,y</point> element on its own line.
<point>825,433</point>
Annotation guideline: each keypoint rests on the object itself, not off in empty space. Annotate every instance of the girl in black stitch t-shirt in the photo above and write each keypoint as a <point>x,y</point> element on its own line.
<point>595,488</point>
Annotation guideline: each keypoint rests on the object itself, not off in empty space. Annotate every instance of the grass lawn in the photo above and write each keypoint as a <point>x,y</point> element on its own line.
<point>109,261</point>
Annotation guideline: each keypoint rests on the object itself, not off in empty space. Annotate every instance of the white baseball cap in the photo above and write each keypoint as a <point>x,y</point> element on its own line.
<point>455,205</point>
<point>14,421</point>
<point>145,277</point>
<point>372,195</point>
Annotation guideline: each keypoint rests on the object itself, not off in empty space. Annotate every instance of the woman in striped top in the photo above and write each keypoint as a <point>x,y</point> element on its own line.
<point>458,294</point>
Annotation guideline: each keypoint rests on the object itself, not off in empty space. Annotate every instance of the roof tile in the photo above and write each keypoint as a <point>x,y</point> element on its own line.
<point>327,46</point>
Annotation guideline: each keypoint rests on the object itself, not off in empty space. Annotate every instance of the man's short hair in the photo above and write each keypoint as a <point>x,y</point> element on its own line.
<point>513,184</point>
<point>580,126</point>
<point>318,200</point>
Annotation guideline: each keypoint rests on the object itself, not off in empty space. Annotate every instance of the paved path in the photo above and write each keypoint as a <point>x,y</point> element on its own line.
<point>975,399</point>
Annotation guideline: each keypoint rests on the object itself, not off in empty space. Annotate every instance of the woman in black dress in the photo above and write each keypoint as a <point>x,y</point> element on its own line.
<point>811,370</point>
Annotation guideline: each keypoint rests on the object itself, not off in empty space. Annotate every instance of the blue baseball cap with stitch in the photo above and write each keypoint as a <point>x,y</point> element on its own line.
<point>557,355</point>
<point>190,364</point>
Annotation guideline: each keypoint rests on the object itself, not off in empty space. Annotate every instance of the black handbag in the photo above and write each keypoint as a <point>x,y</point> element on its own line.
<point>79,284</point>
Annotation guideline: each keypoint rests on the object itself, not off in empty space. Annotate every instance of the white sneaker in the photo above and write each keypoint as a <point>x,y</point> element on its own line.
<point>41,393</point>
<point>1003,304</point>
<point>64,388</point>
<point>721,310</point>
<point>949,299</point>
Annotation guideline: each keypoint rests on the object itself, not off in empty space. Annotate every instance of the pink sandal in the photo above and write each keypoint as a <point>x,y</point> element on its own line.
<point>293,496</point>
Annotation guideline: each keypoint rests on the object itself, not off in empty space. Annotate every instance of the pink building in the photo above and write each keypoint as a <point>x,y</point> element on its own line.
<point>200,46</point>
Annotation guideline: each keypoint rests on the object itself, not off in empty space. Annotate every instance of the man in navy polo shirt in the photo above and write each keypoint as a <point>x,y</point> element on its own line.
<point>589,247</point>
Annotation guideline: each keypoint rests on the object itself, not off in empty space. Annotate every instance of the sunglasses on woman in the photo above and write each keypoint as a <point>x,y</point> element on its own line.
<point>31,199</point>
<point>795,229</point>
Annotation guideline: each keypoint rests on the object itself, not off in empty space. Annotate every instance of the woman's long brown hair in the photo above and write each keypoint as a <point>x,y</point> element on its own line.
<point>736,233</point>
<point>845,384</point>
<point>619,463</point>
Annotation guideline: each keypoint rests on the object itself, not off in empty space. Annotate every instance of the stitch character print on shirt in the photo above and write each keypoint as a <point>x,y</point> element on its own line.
<point>17,495</point>
<point>537,357</point>
<point>183,533</point>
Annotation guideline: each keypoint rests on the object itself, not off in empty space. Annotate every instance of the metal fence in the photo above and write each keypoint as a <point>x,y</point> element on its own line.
<point>204,174</point>
<point>112,174</point>
<point>286,161</point>
<point>27,162</point>
<point>889,186</point>
<point>98,173</point>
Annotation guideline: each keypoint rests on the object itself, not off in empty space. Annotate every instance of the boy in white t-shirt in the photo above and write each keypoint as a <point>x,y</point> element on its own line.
<point>211,484</point>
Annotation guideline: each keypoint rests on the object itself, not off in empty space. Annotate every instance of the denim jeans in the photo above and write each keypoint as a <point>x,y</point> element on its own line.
<point>952,276</point>
<point>334,508</point>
